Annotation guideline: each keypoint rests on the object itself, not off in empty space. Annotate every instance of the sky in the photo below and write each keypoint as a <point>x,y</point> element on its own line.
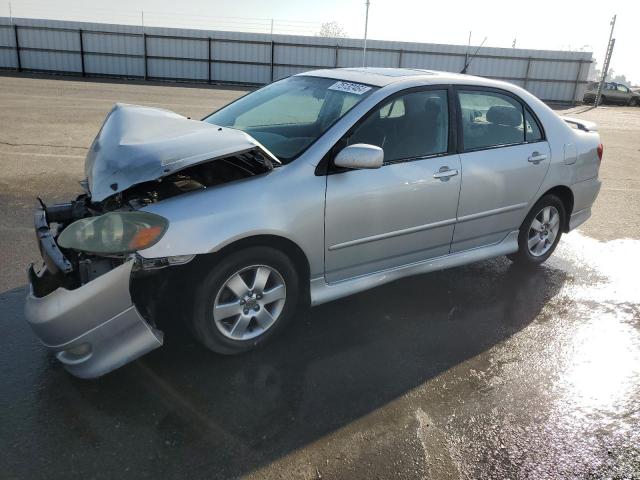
<point>540,24</point>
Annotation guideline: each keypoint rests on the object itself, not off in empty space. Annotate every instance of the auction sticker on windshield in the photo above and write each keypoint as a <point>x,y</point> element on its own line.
<point>348,87</point>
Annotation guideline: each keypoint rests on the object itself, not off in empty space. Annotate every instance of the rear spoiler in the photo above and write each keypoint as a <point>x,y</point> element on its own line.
<point>583,125</point>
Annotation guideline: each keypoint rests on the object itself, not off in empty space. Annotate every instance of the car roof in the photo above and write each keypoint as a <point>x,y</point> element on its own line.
<point>381,77</point>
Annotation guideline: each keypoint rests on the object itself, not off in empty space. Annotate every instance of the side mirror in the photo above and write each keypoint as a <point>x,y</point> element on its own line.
<point>360,155</point>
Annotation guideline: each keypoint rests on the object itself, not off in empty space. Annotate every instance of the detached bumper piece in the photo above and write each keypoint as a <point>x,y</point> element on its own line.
<point>94,328</point>
<point>53,258</point>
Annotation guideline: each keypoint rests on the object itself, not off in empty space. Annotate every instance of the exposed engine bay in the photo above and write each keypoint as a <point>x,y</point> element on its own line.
<point>70,268</point>
<point>197,177</point>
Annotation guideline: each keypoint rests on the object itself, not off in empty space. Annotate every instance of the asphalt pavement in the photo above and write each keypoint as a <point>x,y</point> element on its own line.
<point>482,371</point>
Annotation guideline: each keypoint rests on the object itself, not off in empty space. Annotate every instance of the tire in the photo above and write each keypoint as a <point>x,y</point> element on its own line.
<point>530,252</point>
<point>227,332</point>
<point>603,99</point>
<point>633,102</point>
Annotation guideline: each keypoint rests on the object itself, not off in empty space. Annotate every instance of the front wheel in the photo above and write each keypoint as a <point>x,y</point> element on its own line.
<point>244,299</point>
<point>540,232</point>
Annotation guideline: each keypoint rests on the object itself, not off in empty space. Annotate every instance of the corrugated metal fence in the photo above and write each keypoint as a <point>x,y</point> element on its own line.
<point>98,49</point>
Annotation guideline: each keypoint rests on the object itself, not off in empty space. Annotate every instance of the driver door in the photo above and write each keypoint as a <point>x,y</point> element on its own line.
<point>405,211</point>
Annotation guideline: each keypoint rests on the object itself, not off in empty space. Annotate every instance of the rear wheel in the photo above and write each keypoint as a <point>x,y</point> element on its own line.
<point>244,299</point>
<point>602,100</point>
<point>540,232</point>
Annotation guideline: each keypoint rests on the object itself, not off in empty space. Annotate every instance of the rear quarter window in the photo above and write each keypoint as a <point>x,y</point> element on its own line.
<point>533,132</point>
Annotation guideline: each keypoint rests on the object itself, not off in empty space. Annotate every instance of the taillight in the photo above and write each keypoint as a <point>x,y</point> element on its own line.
<point>600,150</point>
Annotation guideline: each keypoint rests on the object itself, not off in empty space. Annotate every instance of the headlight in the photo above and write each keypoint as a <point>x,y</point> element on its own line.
<point>114,232</point>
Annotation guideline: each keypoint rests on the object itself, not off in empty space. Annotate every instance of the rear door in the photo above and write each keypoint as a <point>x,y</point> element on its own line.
<point>504,161</point>
<point>624,94</point>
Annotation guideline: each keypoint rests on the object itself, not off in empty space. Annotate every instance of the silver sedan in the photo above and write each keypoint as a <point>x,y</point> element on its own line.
<point>312,188</point>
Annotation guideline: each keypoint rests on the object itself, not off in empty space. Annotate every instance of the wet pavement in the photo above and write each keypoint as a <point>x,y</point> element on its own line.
<point>483,371</point>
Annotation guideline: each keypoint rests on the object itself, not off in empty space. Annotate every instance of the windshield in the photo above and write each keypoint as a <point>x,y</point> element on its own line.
<point>289,115</point>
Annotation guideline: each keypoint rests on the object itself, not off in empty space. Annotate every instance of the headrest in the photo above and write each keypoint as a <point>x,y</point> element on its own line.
<point>504,115</point>
<point>433,105</point>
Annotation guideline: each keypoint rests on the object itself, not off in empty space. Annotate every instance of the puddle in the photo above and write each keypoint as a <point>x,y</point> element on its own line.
<point>608,271</point>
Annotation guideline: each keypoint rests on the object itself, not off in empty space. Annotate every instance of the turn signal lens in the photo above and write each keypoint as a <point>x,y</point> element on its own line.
<point>114,232</point>
<point>145,237</point>
<point>600,151</point>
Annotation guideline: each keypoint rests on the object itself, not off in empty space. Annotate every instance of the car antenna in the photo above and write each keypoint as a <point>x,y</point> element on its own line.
<point>470,59</point>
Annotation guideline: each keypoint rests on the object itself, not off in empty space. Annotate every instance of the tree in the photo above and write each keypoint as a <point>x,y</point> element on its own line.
<point>621,79</point>
<point>332,29</point>
<point>612,76</point>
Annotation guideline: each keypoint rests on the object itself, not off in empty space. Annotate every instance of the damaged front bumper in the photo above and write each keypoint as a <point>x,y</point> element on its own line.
<point>92,329</point>
<point>95,328</point>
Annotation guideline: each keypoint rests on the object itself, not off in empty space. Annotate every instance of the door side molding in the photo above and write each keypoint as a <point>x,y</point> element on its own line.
<point>395,233</point>
<point>495,211</point>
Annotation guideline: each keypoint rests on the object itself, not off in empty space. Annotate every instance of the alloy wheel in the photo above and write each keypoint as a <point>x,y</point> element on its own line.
<point>543,231</point>
<point>249,302</point>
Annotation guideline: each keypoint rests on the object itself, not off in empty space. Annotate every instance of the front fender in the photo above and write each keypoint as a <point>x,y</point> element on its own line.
<point>288,202</point>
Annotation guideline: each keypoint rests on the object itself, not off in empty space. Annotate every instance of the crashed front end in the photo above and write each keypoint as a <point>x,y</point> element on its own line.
<point>93,328</point>
<point>93,301</point>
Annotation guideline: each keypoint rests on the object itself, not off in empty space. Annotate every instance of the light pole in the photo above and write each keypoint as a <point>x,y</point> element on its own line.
<point>366,24</point>
<point>607,60</point>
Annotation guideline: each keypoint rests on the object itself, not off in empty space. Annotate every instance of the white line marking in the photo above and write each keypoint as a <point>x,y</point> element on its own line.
<point>26,154</point>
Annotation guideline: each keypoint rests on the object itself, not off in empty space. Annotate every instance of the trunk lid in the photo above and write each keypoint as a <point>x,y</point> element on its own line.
<point>580,124</point>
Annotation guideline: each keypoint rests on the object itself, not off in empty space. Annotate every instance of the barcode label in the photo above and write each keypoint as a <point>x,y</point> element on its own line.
<point>348,87</point>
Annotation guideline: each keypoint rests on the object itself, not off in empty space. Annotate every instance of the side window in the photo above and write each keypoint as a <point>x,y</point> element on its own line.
<point>393,109</point>
<point>490,119</point>
<point>533,132</point>
<point>409,126</point>
<point>622,88</point>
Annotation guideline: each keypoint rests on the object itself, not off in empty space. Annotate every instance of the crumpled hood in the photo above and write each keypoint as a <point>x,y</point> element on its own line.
<point>138,144</point>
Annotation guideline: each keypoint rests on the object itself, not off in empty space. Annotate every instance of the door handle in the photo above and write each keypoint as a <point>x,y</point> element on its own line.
<point>536,158</point>
<point>444,173</point>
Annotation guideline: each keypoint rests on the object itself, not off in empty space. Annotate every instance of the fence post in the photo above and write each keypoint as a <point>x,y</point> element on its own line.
<point>335,57</point>
<point>526,74</point>
<point>144,39</point>
<point>19,62</point>
<point>209,60</point>
<point>81,52</point>
<point>575,85</point>
<point>400,54</point>
<point>273,48</point>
